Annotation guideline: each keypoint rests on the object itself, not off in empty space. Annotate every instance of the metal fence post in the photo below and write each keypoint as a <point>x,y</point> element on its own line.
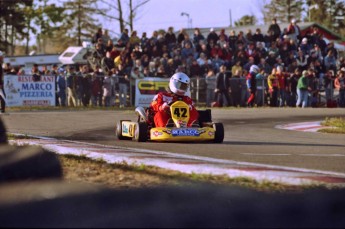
<point>197,90</point>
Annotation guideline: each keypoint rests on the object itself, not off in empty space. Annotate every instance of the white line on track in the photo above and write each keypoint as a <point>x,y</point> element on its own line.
<point>323,155</point>
<point>188,163</point>
<point>266,154</point>
<point>303,126</point>
<point>287,154</point>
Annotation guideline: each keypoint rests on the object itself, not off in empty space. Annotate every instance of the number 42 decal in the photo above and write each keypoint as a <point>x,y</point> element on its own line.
<point>180,112</point>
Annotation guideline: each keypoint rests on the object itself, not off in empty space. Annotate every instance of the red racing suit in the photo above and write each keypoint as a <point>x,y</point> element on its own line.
<point>162,111</point>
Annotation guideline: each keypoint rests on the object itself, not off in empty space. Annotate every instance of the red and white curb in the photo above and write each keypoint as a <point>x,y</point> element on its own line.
<point>303,126</point>
<point>188,164</point>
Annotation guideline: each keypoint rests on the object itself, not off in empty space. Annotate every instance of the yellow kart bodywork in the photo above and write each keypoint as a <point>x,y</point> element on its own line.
<point>182,134</point>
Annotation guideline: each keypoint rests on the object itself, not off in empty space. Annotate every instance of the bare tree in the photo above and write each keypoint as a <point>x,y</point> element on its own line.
<point>117,11</point>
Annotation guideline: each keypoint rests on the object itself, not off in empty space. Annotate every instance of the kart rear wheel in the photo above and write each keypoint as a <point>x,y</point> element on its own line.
<point>118,131</point>
<point>140,134</point>
<point>205,116</point>
<point>219,134</point>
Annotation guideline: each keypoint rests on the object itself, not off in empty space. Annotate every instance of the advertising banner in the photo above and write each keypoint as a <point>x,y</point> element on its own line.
<point>147,88</point>
<point>23,91</point>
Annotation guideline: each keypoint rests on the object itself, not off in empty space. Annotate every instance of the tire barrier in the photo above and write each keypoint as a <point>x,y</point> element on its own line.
<point>28,163</point>
<point>3,135</point>
<point>58,204</point>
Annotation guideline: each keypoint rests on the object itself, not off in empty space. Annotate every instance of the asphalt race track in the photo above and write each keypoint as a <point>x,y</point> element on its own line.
<point>250,135</point>
<point>36,196</point>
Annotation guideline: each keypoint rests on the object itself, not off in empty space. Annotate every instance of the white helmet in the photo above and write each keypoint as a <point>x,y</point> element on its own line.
<point>254,68</point>
<point>179,83</point>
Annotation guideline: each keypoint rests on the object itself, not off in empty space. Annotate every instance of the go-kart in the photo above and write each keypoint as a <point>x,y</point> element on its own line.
<point>177,131</point>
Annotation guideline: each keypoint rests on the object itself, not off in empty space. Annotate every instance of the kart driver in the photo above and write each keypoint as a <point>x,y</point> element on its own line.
<point>178,88</point>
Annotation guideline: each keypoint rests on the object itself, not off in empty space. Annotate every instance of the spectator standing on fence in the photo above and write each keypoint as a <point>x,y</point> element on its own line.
<point>330,46</point>
<point>97,35</point>
<point>281,75</point>
<point>61,87</point>
<point>107,89</point>
<point>313,88</point>
<point>71,86</point>
<point>54,73</point>
<point>105,37</point>
<point>273,87</point>
<point>320,73</point>
<point>99,52</point>
<point>302,60</point>
<point>170,67</point>
<point>244,89</point>
<point>339,84</point>
<point>317,52</point>
<point>7,68</point>
<point>222,87</point>
<point>195,70</point>
<point>302,90</point>
<point>124,37</point>
<point>36,73</point>
<point>2,91</point>
<point>123,85</point>
<point>291,82</point>
<point>330,61</point>
<point>87,82</point>
<point>180,36</point>
<point>236,67</point>
<point>227,55</point>
<point>260,93</point>
<point>210,81</point>
<point>135,75</point>
<point>236,88</point>
<point>197,37</point>
<point>232,39</point>
<point>170,38</point>
<point>186,51</point>
<point>109,46</point>
<point>329,85</point>
<point>271,59</point>
<point>108,62</point>
<point>134,39</point>
<point>274,29</point>
<point>217,62</point>
<point>79,86</point>
<point>143,40</point>
<point>305,46</point>
<point>96,87</point>
<point>264,66</point>
<point>212,36</point>
<point>252,85</point>
<point>258,36</point>
<point>294,31</point>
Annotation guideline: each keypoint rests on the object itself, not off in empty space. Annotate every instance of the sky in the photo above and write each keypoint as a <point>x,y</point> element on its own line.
<point>160,14</point>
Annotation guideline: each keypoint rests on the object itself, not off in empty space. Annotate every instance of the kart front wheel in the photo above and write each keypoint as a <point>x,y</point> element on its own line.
<point>140,134</point>
<point>118,131</point>
<point>219,134</point>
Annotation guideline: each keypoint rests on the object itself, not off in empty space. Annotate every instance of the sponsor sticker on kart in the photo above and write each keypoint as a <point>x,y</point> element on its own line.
<point>157,133</point>
<point>125,129</point>
<point>185,132</point>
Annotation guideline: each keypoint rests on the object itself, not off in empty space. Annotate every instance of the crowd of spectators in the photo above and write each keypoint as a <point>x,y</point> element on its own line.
<point>281,54</point>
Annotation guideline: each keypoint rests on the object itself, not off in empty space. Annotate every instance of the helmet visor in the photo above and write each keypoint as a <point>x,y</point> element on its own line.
<point>182,86</point>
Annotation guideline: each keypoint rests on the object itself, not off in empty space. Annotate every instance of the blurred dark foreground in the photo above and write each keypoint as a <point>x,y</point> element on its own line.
<point>33,194</point>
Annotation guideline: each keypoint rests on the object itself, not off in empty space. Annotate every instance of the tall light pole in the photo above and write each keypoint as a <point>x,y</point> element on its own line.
<point>188,20</point>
